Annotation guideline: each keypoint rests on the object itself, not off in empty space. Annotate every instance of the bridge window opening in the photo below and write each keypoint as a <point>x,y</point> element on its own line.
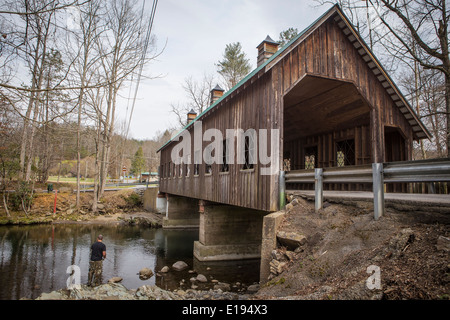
<point>174,170</point>
<point>208,167</point>
<point>249,148</point>
<point>345,153</point>
<point>311,157</point>
<point>180,168</point>
<point>197,163</point>
<point>187,169</point>
<point>225,154</point>
<point>196,169</point>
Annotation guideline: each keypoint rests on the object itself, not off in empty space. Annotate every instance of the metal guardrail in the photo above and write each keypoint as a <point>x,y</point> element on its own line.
<point>435,170</point>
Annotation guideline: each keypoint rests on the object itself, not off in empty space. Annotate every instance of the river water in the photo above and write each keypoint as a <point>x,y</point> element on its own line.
<point>34,259</point>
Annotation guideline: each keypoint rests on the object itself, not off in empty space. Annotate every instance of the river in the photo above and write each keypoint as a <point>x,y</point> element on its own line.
<point>34,259</point>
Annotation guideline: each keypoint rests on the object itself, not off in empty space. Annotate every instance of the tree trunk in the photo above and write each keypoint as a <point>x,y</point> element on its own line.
<point>447,109</point>
<point>80,104</point>
<point>5,204</point>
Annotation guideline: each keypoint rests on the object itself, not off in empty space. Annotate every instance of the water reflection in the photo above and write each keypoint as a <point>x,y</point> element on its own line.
<point>34,259</point>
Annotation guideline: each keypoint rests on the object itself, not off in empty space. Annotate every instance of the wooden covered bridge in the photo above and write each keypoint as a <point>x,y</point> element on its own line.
<point>324,101</point>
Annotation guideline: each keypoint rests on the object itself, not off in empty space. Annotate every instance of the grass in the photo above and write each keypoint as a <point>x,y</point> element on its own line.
<point>69,180</point>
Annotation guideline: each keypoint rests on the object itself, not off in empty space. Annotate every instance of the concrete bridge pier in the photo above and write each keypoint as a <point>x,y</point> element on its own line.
<point>181,212</point>
<point>228,232</point>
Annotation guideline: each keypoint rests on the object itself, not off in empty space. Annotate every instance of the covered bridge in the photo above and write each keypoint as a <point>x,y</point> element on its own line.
<point>324,93</point>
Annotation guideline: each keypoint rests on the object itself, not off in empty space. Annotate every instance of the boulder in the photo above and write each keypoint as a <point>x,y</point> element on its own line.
<point>253,288</point>
<point>276,267</point>
<point>179,265</point>
<point>222,286</point>
<point>443,243</point>
<point>290,255</point>
<point>145,273</point>
<point>201,278</point>
<point>116,279</point>
<point>165,269</point>
<point>291,240</point>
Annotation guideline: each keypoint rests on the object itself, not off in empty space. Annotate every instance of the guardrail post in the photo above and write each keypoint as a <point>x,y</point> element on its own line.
<point>282,182</point>
<point>318,189</point>
<point>378,190</point>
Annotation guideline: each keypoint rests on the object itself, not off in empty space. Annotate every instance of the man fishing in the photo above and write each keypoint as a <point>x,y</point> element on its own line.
<point>98,253</point>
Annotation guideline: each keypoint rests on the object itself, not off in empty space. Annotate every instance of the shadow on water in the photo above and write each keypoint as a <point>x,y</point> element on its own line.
<point>34,259</point>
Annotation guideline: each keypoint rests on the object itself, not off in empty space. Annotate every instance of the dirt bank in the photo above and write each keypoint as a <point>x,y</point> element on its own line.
<point>345,246</point>
<point>123,206</point>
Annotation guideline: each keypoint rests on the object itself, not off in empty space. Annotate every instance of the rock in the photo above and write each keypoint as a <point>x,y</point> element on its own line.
<point>201,278</point>
<point>55,295</point>
<point>253,288</point>
<point>276,267</point>
<point>153,293</point>
<point>115,279</point>
<point>326,205</point>
<point>145,273</point>
<point>165,269</point>
<point>291,240</point>
<point>277,255</point>
<point>399,242</point>
<point>222,286</point>
<point>290,255</point>
<point>289,207</point>
<point>179,265</point>
<point>443,243</point>
<point>100,206</point>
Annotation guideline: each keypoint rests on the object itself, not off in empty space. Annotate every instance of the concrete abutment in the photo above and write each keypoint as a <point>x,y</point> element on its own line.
<point>228,232</point>
<point>225,232</point>
<point>181,212</point>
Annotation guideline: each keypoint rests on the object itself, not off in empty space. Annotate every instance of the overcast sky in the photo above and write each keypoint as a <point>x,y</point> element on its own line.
<point>197,32</point>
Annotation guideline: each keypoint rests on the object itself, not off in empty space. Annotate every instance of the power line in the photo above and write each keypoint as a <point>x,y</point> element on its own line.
<point>144,53</point>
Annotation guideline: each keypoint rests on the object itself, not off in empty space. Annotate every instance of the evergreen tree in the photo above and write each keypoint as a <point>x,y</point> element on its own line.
<point>138,164</point>
<point>287,35</point>
<point>234,66</point>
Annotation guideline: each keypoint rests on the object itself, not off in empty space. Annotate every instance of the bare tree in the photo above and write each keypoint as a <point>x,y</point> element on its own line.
<point>197,97</point>
<point>121,50</point>
<point>86,60</point>
<point>426,22</point>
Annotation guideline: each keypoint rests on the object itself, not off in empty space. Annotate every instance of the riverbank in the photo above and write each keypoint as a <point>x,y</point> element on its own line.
<point>117,291</point>
<point>122,206</point>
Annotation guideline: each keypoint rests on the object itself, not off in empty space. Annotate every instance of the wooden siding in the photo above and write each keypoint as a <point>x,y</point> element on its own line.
<point>252,108</point>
